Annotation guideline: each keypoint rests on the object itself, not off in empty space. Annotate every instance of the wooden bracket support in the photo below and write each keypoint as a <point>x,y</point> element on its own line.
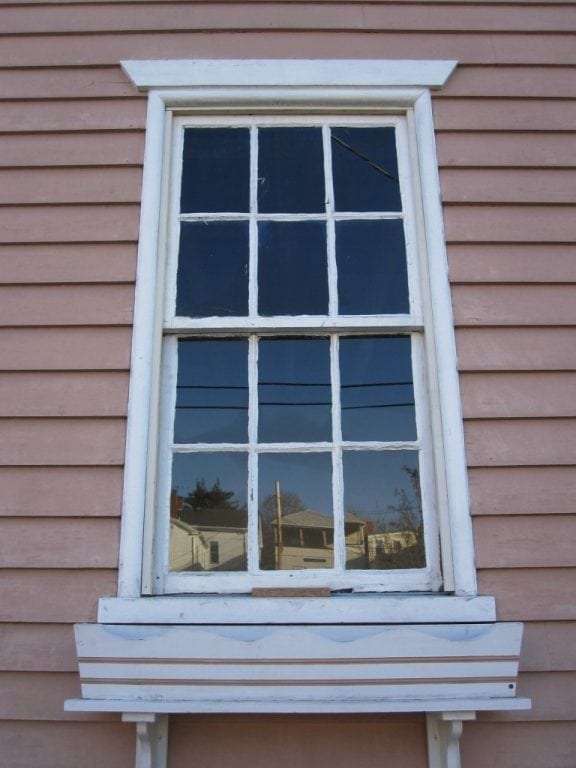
<point>151,739</point>
<point>444,733</point>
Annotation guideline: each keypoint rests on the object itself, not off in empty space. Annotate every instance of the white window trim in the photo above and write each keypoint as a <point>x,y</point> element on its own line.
<point>287,85</point>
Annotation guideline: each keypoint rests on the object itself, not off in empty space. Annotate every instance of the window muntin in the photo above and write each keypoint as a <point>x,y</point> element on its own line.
<point>328,433</point>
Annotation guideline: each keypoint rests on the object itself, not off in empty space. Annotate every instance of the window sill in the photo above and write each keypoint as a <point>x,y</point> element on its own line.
<point>338,609</point>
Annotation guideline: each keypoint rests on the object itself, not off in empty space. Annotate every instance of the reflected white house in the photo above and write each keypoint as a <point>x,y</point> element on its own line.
<point>307,540</point>
<point>388,543</point>
<point>206,548</point>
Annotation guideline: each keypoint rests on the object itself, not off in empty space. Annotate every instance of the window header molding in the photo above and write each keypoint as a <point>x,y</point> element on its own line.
<point>299,73</point>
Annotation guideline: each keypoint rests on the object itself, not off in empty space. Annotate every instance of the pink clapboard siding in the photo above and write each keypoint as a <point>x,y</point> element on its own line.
<point>299,740</point>
<point>25,743</point>
<point>71,153</point>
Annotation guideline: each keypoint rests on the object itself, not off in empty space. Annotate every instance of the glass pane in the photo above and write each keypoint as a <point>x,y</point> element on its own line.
<point>296,521</point>
<point>365,169</point>
<point>294,390</point>
<point>215,170</point>
<point>292,268</point>
<point>213,269</point>
<point>290,170</point>
<point>383,510</point>
<point>208,513</point>
<point>372,272</point>
<point>377,390</point>
<point>212,391</point>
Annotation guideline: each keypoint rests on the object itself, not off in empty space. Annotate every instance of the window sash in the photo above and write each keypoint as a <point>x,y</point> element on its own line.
<point>336,578</point>
<point>175,323</point>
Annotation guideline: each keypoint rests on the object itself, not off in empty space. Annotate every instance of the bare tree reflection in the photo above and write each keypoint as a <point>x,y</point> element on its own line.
<point>396,540</point>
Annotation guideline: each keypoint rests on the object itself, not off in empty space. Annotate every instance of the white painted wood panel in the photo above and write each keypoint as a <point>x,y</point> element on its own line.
<point>299,668</point>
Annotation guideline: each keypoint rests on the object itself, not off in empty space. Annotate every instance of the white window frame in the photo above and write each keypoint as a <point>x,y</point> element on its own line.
<point>294,87</point>
<point>163,580</point>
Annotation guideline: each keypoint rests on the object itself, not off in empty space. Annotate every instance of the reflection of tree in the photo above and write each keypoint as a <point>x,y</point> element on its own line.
<point>213,507</point>
<point>394,538</point>
<point>408,507</point>
<point>290,502</point>
<point>408,520</point>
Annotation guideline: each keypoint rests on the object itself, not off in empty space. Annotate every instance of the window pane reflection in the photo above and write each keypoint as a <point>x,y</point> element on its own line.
<point>290,170</point>
<point>382,500</point>
<point>212,269</point>
<point>216,170</point>
<point>292,268</point>
<point>365,169</point>
<point>295,511</point>
<point>377,389</point>
<point>294,390</point>
<point>372,272</point>
<point>208,513</point>
<point>212,391</point>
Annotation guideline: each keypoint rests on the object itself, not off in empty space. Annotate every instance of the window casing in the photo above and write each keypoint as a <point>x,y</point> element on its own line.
<point>348,94</point>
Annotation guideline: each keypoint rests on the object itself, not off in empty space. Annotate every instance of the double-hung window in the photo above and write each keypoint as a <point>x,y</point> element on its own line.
<point>295,436</point>
<point>298,418</point>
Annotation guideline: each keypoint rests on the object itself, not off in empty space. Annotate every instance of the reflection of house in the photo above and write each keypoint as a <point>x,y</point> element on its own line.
<point>307,540</point>
<point>206,548</point>
<point>388,543</point>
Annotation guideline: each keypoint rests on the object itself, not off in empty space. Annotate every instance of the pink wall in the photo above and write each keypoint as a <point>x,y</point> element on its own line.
<point>70,171</point>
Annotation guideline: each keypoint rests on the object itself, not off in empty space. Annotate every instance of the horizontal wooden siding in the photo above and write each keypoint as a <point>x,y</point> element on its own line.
<point>71,148</point>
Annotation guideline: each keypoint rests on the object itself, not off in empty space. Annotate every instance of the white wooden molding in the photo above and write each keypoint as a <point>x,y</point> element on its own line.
<point>287,72</point>
<point>335,668</point>
<point>338,609</point>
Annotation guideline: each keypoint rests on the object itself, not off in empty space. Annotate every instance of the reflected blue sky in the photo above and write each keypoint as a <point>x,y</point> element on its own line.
<point>372,271</point>
<point>377,390</point>
<point>294,390</point>
<point>365,169</point>
<point>308,475</point>
<point>212,269</point>
<point>215,170</point>
<point>373,480</point>
<point>290,170</point>
<point>212,391</point>
<point>230,470</point>
<point>292,268</point>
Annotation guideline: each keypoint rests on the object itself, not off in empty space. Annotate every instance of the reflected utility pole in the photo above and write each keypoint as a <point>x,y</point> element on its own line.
<point>278,525</point>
